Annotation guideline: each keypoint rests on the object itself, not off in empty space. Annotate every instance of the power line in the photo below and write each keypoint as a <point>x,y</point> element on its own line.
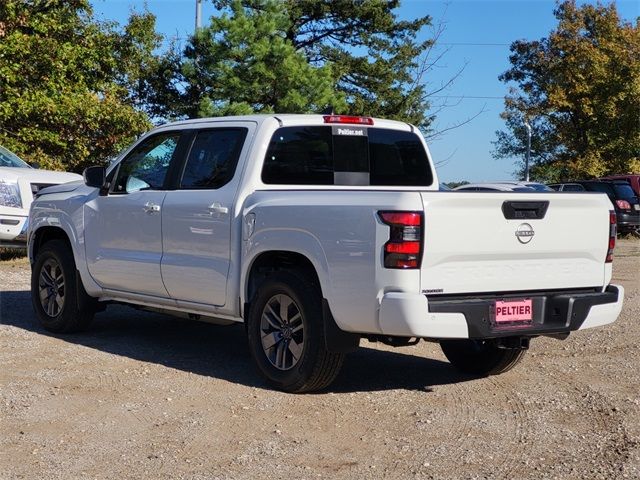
<point>448,44</point>
<point>471,44</point>
<point>467,96</point>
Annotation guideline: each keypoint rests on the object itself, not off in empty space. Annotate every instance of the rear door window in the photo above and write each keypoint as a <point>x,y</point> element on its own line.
<point>346,155</point>
<point>213,158</point>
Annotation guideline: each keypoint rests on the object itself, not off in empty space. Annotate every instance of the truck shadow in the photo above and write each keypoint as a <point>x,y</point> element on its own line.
<point>221,352</point>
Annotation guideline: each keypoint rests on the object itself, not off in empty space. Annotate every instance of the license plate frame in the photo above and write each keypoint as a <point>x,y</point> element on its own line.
<point>512,312</point>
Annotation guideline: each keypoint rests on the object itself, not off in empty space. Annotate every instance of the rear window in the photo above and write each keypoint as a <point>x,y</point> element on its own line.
<point>398,158</point>
<point>599,187</point>
<point>623,190</point>
<point>614,190</point>
<point>337,155</point>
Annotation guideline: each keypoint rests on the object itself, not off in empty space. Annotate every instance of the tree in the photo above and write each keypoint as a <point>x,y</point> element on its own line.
<point>68,82</point>
<point>359,50</point>
<point>242,63</point>
<point>579,88</point>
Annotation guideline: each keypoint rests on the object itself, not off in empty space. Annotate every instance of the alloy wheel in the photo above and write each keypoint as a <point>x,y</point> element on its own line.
<point>51,288</point>
<point>282,332</point>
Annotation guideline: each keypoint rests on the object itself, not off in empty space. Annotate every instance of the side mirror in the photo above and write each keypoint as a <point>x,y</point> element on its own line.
<point>95,177</point>
<point>34,164</point>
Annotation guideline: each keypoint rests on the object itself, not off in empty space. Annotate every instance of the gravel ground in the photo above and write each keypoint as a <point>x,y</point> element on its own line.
<point>145,396</point>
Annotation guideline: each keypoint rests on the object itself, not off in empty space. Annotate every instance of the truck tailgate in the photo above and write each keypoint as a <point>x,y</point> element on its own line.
<point>470,246</point>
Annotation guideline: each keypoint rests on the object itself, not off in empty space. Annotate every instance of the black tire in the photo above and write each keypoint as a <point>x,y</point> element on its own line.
<point>301,325</point>
<point>480,357</point>
<point>57,294</point>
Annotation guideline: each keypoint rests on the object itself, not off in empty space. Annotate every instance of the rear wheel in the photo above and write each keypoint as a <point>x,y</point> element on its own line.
<point>57,294</point>
<point>480,357</point>
<point>286,334</point>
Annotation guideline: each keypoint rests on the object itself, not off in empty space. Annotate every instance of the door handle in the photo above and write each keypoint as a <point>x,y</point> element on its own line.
<point>150,207</point>
<point>217,208</point>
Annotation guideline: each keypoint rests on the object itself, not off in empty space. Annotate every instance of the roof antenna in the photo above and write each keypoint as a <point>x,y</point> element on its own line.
<point>328,110</point>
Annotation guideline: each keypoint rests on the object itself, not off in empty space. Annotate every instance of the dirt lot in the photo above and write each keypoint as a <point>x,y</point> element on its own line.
<point>146,396</point>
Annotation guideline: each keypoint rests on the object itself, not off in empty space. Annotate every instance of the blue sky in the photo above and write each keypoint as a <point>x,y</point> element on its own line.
<point>476,38</point>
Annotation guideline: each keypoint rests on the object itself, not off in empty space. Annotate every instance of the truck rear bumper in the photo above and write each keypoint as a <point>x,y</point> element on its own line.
<point>628,221</point>
<point>414,315</point>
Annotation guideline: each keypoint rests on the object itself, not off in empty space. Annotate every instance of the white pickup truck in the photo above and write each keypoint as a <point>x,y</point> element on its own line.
<point>317,231</point>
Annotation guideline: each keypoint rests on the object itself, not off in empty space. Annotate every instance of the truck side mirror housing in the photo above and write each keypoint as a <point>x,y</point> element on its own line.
<point>95,177</point>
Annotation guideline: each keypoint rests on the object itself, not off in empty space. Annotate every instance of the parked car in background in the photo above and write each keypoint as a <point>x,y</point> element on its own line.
<point>566,187</point>
<point>493,187</point>
<point>624,199</point>
<point>633,179</point>
<point>19,182</point>
<point>538,187</point>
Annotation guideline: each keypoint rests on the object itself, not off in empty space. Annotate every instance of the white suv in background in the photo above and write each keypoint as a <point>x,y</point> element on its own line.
<point>19,182</point>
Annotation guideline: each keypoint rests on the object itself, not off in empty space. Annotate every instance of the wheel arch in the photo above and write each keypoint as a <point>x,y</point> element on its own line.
<point>269,262</point>
<point>45,234</point>
<point>48,227</point>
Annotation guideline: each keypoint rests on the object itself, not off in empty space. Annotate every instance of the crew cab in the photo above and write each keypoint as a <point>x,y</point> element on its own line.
<point>316,232</point>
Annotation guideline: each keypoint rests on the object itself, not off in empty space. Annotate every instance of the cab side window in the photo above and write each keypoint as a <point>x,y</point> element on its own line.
<point>213,158</point>
<point>145,168</point>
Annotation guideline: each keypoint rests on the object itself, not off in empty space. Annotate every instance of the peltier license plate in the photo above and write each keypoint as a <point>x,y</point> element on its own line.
<point>514,311</point>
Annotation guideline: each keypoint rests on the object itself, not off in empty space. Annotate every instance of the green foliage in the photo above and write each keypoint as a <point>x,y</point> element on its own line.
<point>376,57</point>
<point>297,56</point>
<point>68,82</point>
<point>242,63</point>
<point>580,90</point>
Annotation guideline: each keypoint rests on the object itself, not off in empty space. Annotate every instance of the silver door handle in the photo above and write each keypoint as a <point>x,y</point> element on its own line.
<point>217,208</point>
<point>151,207</point>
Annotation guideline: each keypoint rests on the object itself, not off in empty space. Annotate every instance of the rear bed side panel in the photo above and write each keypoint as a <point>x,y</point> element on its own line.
<point>470,247</point>
<point>340,233</point>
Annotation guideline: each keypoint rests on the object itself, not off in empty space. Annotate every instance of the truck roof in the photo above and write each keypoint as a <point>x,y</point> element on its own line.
<point>291,119</point>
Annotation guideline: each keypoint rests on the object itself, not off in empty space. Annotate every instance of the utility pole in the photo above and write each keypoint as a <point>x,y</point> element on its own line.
<point>198,14</point>
<point>526,161</point>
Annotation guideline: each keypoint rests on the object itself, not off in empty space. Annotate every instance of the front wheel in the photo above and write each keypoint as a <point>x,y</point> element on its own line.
<point>57,293</point>
<point>286,334</point>
<point>480,357</point>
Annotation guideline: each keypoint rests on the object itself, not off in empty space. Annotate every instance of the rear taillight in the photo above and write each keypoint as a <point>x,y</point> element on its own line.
<point>613,230</point>
<point>623,205</point>
<point>404,248</point>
